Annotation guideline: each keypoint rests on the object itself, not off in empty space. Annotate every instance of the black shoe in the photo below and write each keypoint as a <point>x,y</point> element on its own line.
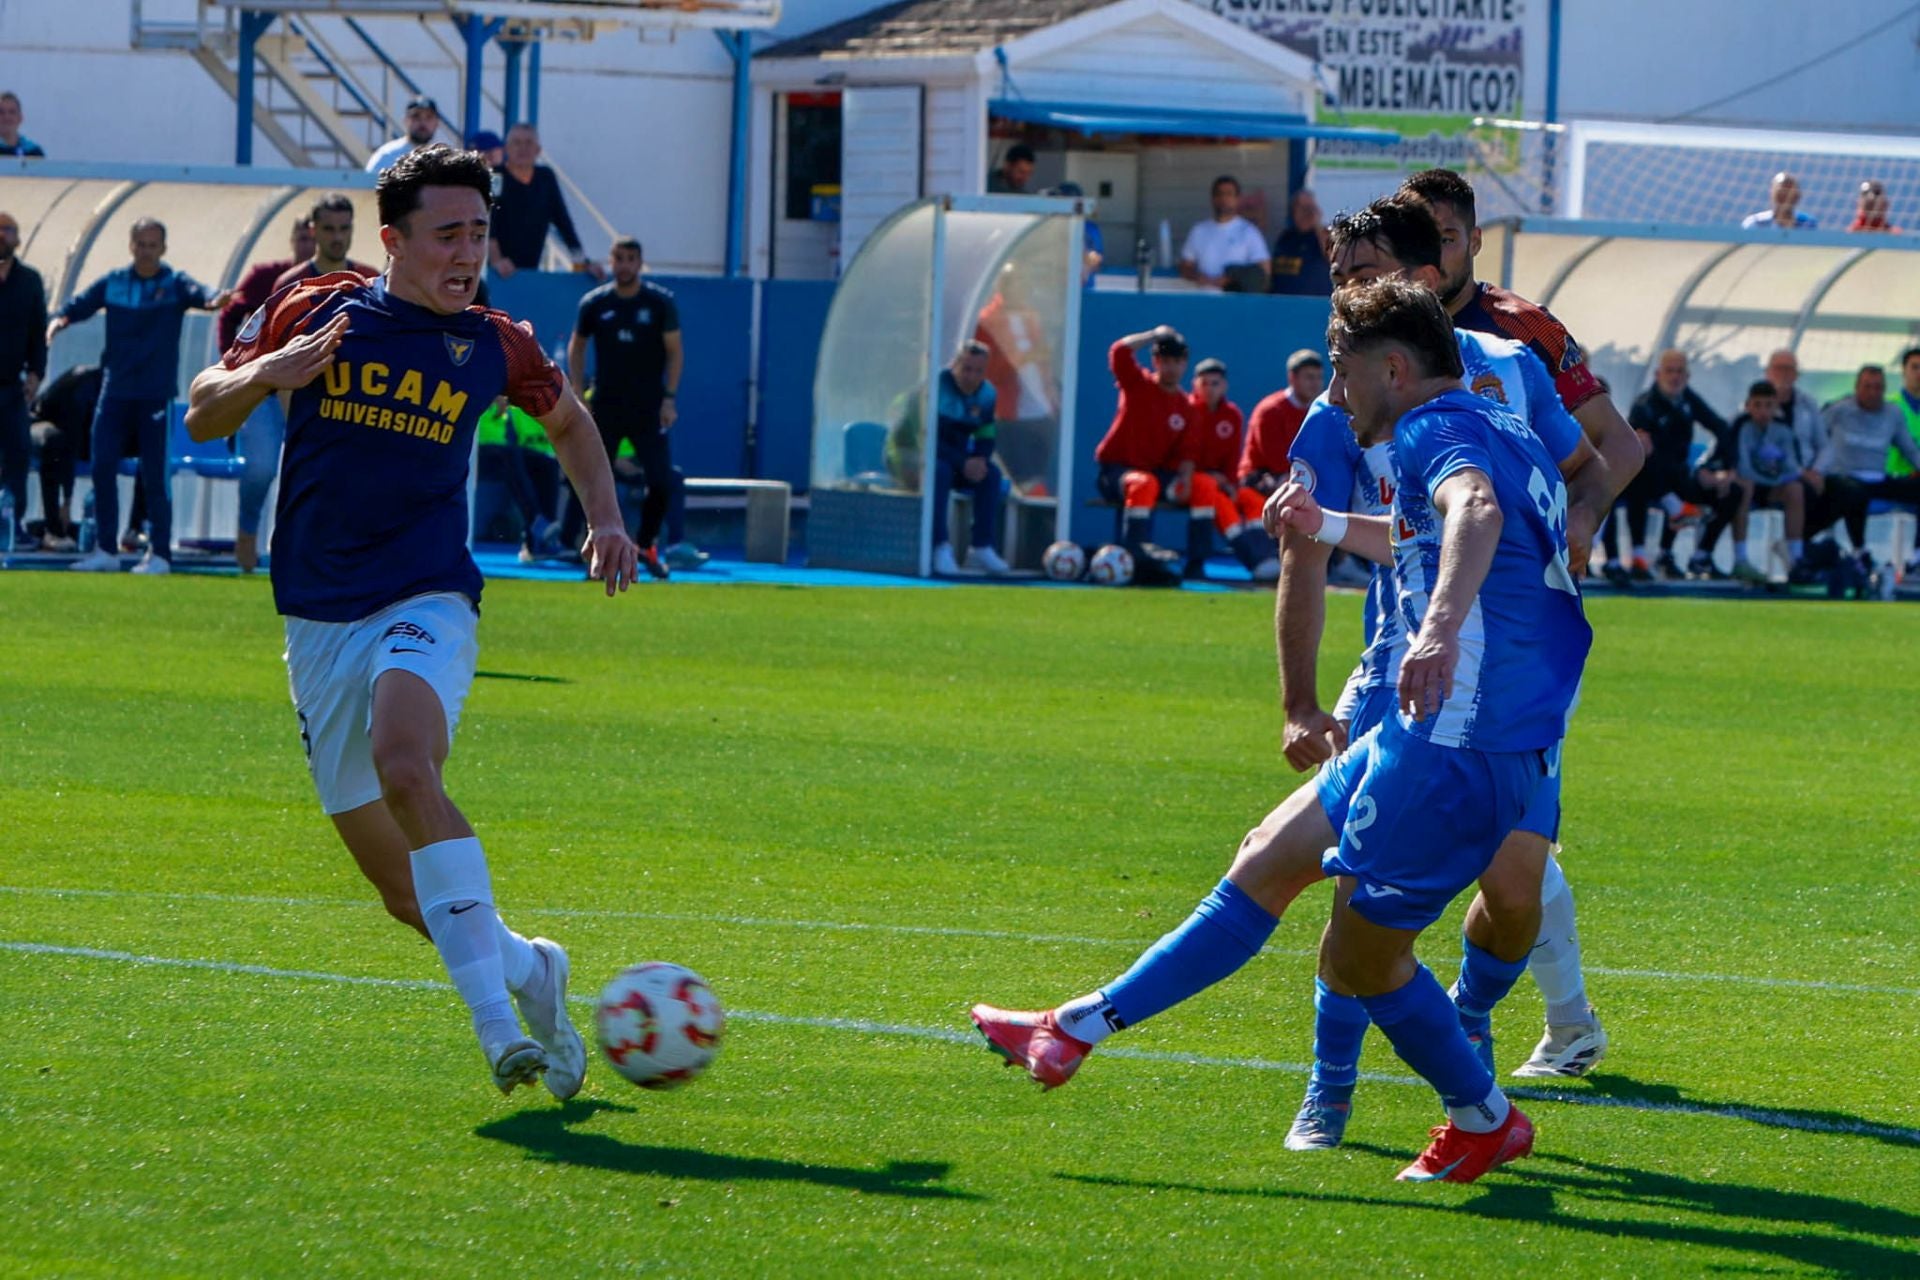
<point>1151,571</point>
<point>1640,572</point>
<point>1194,571</point>
<point>651,562</point>
<point>1616,573</point>
<point>1667,567</point>
<point>1702,568</point>
<point>1802,574</point>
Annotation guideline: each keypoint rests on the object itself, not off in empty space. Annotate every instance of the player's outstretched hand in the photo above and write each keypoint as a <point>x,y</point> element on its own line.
<point>302,360</point>
<point>1426,673</point>
<point>1312,738</point>
<point>611,558</point>
<point>1291,506</point>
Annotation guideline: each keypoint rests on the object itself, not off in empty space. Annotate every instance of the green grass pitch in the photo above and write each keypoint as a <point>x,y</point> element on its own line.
<point>856,812</point>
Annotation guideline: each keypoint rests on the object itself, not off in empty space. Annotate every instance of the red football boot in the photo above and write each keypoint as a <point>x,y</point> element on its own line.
<point>1458,1156</point>
<point>1032,1040</point>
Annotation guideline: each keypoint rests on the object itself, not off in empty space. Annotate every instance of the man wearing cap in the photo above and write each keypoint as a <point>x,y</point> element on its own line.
<point>1141,450</point>
<point>1209,453</point>
<point>1276,421</point>
<point>423,121</point>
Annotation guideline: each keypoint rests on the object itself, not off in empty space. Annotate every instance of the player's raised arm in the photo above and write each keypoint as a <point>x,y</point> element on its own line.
<point>221,398</point>
<point>611,556</point>
<point>1468,538</point>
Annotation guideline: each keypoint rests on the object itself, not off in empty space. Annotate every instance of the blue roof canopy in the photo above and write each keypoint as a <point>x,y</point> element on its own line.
<point>1092,118</point>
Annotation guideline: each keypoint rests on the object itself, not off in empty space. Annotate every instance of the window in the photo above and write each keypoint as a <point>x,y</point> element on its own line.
<point>813,149</point>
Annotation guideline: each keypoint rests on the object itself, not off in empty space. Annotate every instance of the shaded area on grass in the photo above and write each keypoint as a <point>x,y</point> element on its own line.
<point>547,1134</point>
<point>1613,1090</point>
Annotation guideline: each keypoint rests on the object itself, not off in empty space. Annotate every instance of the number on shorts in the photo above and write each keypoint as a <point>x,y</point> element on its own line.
<point>1359,817</point>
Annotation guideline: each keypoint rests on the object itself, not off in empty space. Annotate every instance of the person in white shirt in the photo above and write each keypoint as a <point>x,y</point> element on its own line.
<point>1215,248</point>
<point>423,121</point>
<point>1784,207</point>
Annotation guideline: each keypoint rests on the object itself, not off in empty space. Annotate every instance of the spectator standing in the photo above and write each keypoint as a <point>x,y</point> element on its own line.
<point>1870,208</point>
<point>256,286</point>
<point>1769,460</point>
<point>1209,457</point>
<point>491,146</point>
<point>638,356</point>
<point>12,141</point>
<point>963,459</point>
<point>1015,171</point>
<point>1226,251</point>
<point>1141,449</point>
<point>529,202</point>
<point>145,304</point>
<point>422,123</point>
<point>1302,262</point>
<point>1783,209</point>
<point>23,363</point>
<point>1851,472</point>
<point>63,422</point>
<point>1276,421</point>
<point>1665,416</point>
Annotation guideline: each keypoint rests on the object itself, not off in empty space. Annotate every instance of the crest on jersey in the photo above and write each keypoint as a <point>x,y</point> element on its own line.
<point>1302,474</point>
<point>1223,429</point>
<point>646,315</point>
<point>1489,385</point>
<point>459,350</point>
<point>255,323</point>
<point>1177,422</point>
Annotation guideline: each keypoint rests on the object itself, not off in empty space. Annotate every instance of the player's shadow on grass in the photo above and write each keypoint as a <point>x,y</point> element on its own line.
<point>1547,1189</point>
<point>546,1134</point>
<point>1613,1090</point>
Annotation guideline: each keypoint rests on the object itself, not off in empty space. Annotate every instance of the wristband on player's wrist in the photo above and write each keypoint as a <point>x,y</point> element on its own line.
<point>1333,527</point>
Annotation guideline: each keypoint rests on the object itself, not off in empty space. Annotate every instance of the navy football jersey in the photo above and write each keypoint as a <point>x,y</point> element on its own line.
<point>373,482</point>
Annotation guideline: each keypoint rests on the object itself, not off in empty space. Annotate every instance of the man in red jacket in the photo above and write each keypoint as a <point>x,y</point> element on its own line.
<point>1276,421</point>
<point>1140,454</point>
<point>1209,453</point>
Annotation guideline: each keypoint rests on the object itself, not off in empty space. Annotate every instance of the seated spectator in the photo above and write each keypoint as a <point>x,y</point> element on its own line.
<point>1209,455</point>
<point>1665,416</point>
<point>515,452</point>
<point>1139,454</point>
<point>963,460</point>
<point>1226,251</point>
<point>12,141</point>
<point>1851,472</point>
<point>1784,210</point>
<point>1870,208</point>
<point>63,421</point>
<point>422,123</point>
<point>491,146</point>
<point>1795,407</point>
<point>1302,260</point>
<point>1276,421</point>
<point>1907,400</point>
<point>1015,171</point>
<point>1769,460</point>
<point>529,202</point>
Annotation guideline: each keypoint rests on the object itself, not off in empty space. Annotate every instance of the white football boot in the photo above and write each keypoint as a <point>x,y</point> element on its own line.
<point>988,561</point>
<point>544,1008</point>
<point>515,1063</point>
<point>97,560</point>
<point>1567,1049</point>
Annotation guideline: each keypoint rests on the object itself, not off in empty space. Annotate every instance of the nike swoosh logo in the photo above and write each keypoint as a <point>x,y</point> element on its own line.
<point>1438,1175</point>
<point>454,911</point>
<point>421,652</point>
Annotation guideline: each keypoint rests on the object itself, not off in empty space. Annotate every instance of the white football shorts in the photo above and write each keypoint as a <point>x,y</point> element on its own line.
<point>332,666</point>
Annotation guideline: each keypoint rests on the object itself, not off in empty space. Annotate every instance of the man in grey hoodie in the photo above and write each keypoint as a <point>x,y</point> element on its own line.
<point>1851,471</point>
<point>1769,460</point>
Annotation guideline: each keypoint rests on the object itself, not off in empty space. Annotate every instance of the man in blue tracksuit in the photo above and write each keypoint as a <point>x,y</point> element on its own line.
<point>963,460</point>
<point>145,304</point>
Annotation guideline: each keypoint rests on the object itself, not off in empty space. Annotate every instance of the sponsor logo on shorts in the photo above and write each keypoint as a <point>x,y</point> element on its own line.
<point>404,630</point>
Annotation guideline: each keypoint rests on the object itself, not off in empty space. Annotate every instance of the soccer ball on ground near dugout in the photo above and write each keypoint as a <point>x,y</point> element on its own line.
<point>659,1024</point>
<point>1112,566</point>
<point>1065,562</point>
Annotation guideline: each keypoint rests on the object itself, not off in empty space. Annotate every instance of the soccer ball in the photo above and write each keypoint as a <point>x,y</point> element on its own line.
<point>1065,562</point>
<point>659,1024</point>
<point>1112,566</point>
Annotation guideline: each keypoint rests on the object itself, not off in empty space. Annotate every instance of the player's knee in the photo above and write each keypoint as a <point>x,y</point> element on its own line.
<point>1205,491</point>
<point>408,778</point>
<point>1140,489</point>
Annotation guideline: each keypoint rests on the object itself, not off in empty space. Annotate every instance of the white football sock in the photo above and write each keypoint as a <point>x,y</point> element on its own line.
<point>456,901</point>
<point>518,960</point>
<point>1484,1116</point>
<point>1555,963</point>
<point>1086,1019</point>
<point>1639,552</point>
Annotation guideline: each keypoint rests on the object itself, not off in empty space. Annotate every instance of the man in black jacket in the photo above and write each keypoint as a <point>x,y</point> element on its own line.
<point>23,363</point>
<point>1665,416</point>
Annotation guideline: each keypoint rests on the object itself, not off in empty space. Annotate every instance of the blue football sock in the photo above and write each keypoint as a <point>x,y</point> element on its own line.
<point>1484,982</point>
<point>1425,1031</point>
<point>1339,1024</point>
<point>1225,931</point>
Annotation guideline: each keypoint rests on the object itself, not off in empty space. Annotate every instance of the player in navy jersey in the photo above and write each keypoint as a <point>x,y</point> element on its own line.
<point>388,379</point>
<point>1398,236</point>
<point>1422,802</point>
<point>1573,1041</point>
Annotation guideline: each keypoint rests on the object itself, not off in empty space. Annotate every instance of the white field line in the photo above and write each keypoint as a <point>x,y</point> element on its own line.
<point>835,926</point>
<point>1758,1115</point>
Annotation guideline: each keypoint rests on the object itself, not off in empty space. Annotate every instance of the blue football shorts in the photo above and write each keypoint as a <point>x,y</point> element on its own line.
<point>1418,822</point>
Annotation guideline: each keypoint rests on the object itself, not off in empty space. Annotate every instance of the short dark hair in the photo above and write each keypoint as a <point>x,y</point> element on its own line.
<point>1444,186</point>
<point>1017,152</point>
<point>628,242</point>
<point>1762,390</point>
<point>1907,355</point>
<point>1394,310</point>
<point>332,202</point>
<point>8,95</point>
<point>1869,368</point>
<point>438,165</point>
<point>147,224</point>
<point>1401,224</point>
<point>1225,180</point>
